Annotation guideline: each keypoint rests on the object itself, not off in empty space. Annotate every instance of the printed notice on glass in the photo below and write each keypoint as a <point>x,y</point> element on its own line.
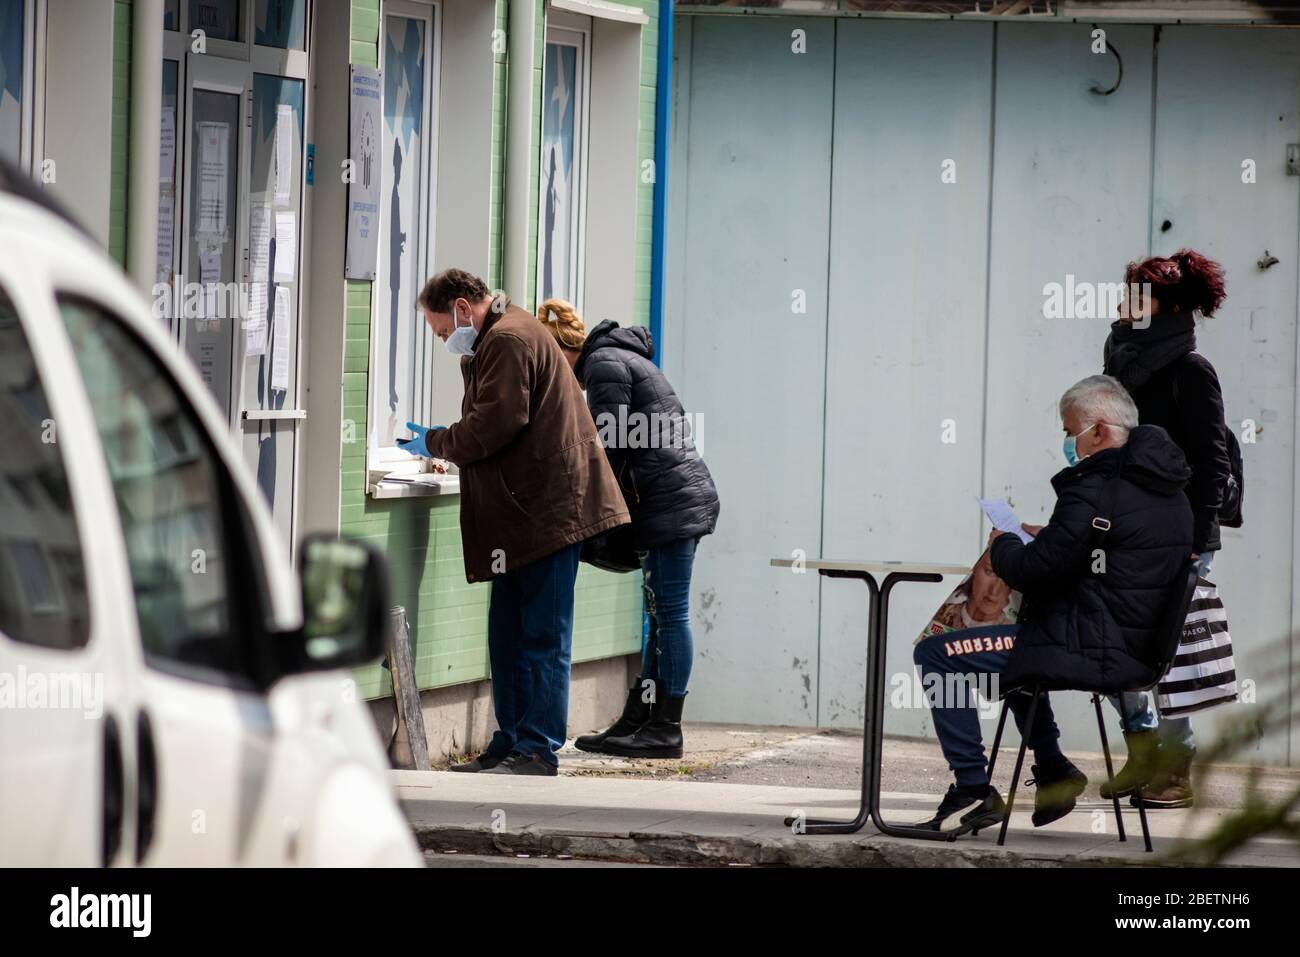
<point>284,134</point>
<point>166,218</point>
<point>364,128</point>
<point>286,247</point>
<point>259,240</point>
<point>167,146</point>
<point>214,176</point>
<point>209,264</point>
<point>280,347</point>
<point>255,321</point>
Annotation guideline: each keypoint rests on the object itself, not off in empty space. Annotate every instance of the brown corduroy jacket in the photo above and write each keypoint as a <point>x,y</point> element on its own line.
<point>533,473</point>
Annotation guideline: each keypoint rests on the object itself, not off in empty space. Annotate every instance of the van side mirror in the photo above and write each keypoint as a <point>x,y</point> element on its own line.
<point>345,604</point>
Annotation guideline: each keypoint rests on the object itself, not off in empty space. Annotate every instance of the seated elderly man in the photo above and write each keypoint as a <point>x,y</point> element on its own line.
<point>1092,599</point>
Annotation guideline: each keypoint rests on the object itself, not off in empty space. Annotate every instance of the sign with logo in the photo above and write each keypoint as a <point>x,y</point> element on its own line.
<point>363,173</point>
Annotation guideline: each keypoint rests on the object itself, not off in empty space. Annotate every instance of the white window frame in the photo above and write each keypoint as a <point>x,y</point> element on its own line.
<point>569,30</point>
<point>233,60</point>
<point>291,63</point>
<point>391,458</point>
<point>31,133</point>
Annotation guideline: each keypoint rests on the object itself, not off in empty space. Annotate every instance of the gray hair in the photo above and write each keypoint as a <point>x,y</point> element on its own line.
<point>1101,398</point>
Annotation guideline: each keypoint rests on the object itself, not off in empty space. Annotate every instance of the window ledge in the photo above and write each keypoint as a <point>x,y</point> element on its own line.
<point>604,9</point>
<point>418,486</point>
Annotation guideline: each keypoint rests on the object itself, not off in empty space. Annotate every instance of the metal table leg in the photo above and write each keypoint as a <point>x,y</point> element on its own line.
<point>873,709</point>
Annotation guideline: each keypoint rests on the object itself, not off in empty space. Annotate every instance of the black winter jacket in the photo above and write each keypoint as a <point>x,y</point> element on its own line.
<point>665,482</point>
<point>1185,400</point>
<point>1098,631</point>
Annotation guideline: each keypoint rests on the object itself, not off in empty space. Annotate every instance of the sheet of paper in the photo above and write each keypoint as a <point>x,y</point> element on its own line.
<point>166,218</point>
<point>209,264</point>
<point>285,127</point>
<point>255,321</point>
<point>280,347</point>
<point>1003,517</point>
<point>167,146</point>
<point>259,239</point>
<point>286,247</point>
<point>214,168</point>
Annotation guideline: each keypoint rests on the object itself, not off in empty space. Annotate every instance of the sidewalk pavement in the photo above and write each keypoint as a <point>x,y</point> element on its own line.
<point>689,812</point>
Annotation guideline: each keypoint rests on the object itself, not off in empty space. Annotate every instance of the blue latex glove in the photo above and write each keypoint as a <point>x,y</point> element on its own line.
<point>416,444</point>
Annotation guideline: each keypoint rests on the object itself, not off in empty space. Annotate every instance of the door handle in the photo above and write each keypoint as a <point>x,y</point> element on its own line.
<point>114,791</point>
<point>147,787</point>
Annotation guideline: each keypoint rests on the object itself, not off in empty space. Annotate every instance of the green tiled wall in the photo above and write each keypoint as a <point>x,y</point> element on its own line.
<point>119,159</point>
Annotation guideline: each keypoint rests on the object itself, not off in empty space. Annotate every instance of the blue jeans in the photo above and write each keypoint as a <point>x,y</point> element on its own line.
<point>669,645</point>
<point>970,654</point>
<point>1137,711</point>
<point>530,643</point>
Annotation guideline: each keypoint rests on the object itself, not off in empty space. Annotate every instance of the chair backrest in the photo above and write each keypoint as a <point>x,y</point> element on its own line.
<point>1170,631</point>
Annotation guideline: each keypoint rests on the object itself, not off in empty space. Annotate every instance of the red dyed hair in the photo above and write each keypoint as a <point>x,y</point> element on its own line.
<point>1185,281</point>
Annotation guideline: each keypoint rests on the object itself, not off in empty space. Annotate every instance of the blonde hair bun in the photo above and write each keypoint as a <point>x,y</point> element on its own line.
<point>563,320</point>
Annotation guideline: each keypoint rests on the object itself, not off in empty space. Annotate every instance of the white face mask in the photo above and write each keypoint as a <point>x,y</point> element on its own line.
<point>461,341</point>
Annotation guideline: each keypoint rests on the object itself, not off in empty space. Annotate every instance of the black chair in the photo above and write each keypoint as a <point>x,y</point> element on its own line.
<point>1168,635</point>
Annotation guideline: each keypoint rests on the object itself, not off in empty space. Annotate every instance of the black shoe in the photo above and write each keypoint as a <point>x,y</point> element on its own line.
<point>484,762</point>
<point>1138,769</point>
<point>955,800</point>
<point>1058,786</point>
<point>660,737</point>
<point>636,712</point>
<point>988,813</point>
<point>516,763</point>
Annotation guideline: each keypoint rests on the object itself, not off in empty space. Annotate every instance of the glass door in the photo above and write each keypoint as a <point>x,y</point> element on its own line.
<point>267,347</point>
<point>209,307</point>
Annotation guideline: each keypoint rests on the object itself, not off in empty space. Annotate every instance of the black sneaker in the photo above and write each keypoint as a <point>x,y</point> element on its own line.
<point>988,813</point>
<point>1058,786</point>
<point>516,763</point>
<point>955,800</point>
<point>484,762</point>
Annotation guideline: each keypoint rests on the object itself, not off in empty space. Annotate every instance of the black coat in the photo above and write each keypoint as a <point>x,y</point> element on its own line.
<point>1098,631</point>
<point>665,482</point>
<point>1185,400</point>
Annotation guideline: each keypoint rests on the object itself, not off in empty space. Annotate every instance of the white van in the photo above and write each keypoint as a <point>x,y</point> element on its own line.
<point>162,700</point>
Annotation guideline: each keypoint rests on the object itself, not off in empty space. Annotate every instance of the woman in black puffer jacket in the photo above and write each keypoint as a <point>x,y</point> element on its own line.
<point>673,501</point>
<point>1152,350</point>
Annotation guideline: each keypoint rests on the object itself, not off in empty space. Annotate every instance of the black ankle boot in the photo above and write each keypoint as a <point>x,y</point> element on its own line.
<point>660,737</point>
<point>636,713</point>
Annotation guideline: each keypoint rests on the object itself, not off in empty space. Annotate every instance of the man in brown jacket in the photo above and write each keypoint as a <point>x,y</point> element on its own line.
<point>534,484</point>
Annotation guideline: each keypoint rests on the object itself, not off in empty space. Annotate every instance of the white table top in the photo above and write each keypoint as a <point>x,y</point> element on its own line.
<point>879,568</point>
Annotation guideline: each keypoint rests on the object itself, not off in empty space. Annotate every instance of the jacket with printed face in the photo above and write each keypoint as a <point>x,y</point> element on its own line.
<point>647,437</point>
<point>533,474</point>
<point>1096,630</point>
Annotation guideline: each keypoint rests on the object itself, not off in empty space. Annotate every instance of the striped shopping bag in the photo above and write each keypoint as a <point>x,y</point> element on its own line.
<point>1202,674</point>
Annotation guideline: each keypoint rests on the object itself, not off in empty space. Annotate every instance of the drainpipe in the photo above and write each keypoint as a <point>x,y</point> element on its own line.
<point>145,119</point>
<point>663,100</point>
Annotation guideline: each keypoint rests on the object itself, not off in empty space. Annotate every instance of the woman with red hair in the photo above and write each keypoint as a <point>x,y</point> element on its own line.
<point>1152,351</point>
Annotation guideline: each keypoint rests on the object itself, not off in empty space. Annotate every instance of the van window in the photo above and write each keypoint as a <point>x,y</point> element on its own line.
<point>172,495</point>
<point>42,574</point>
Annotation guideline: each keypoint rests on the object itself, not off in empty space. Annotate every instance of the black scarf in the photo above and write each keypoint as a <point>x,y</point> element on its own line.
<point>1132,355</point>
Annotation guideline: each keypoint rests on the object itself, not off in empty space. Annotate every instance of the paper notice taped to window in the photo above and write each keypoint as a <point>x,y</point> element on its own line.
<point>285,128</point>
<point>280,345</point>
<point>214,182</point>
<point>255,321</point>
<point>286,247</point>
<point>259,241</point>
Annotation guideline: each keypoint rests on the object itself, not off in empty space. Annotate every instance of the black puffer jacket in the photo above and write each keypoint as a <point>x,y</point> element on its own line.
<point>1185,400</point>
<point>665,482</point>
<point>1097,631</point>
